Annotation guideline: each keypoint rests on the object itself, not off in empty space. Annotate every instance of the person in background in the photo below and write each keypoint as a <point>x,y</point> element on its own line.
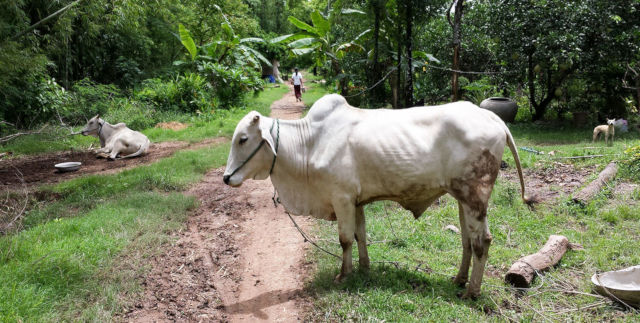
<point>296,78</point>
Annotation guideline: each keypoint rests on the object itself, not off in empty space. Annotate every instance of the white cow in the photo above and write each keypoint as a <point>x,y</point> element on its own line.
<point>116,140</point>
<point>339,158</point>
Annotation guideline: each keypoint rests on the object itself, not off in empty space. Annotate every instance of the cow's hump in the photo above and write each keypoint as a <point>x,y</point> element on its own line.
<point>325,106</point>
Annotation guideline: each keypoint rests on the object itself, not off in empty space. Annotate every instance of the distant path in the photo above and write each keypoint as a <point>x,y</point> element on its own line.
<point>239,259</point>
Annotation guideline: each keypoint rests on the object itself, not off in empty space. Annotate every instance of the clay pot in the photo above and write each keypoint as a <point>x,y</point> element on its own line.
<point>505,108</point>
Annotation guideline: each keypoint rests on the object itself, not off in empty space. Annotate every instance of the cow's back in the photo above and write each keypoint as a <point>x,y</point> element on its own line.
<point>410,152</point>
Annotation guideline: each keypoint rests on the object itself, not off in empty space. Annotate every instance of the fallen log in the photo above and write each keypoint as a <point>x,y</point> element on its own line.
<point>587,193</point>
<point>524,270</point>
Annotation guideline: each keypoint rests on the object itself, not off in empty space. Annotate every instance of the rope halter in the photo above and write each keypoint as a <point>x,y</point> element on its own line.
<point>255,151</point>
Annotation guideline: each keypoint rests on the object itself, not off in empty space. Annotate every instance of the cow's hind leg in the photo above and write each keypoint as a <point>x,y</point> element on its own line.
<point>480,238</point>
<point>118,147</point>
<point>361,237</point>
<point>463,273</point>
<point>346,215</point>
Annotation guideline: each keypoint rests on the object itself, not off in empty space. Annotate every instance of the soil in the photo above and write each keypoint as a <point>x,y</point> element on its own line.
<point>548,184</point>
<point>239,259</point>
<point>38,170</point>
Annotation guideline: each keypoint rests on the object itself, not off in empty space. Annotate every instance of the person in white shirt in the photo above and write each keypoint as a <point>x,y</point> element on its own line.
<point>296,78</point>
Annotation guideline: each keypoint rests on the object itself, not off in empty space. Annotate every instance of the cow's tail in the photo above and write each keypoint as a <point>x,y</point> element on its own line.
<point>143,149</point>
<point>512,146</point>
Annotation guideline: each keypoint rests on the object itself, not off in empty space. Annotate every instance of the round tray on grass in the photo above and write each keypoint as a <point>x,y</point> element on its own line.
<point>68,167</point>
<point>623,284</point>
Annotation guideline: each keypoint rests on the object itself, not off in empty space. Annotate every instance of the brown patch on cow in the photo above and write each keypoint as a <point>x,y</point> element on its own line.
<point>481,245</point>
<point>474,189</point>
<point>345,242</point>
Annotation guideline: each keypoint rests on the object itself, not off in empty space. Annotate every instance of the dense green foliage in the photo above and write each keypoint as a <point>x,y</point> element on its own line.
<point>195,57</point>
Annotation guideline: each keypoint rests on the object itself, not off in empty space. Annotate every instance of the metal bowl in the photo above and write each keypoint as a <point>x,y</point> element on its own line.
<point>623,284</point>
<point>68,167</point>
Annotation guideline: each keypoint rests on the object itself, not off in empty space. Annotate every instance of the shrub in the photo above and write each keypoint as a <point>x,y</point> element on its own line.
<point>631,163</point>
<point>231,84</point>
<point>136,114</point>
<point>186,93</point>
<point>87,99</point>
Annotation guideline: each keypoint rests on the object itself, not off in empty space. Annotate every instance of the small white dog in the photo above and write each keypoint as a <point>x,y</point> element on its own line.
<point>607,129</point>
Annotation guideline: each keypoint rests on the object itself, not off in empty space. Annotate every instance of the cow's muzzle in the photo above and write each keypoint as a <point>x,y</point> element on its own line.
<point>226,178</point>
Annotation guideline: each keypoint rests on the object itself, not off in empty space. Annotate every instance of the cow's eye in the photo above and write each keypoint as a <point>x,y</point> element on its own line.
<point>243,140</point>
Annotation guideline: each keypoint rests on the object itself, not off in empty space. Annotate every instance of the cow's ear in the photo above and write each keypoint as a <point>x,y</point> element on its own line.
<point>266,136</point>
<point>255,120</point>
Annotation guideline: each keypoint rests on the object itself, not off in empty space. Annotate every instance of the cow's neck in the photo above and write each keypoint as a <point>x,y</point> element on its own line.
<point>105,132</point>
<point>290,173</point>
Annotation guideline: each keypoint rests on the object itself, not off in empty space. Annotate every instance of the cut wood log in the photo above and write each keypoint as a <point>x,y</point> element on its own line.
<point>523,271</point>
<point>587,193</point>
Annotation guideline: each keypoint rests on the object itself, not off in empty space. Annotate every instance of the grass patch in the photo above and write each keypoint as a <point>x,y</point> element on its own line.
<point>609,235</point>
<point>68,262</point>
<point>313,93</point>
<point>60,266</point>
<point>219,123</point>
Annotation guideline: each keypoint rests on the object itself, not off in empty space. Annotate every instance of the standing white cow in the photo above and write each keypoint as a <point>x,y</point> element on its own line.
<point>339,158</point>
<point>116,140</point>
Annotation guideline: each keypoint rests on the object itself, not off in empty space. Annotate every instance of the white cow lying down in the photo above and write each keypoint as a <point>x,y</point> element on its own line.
<point>116,140</point>
<point>339,158</point>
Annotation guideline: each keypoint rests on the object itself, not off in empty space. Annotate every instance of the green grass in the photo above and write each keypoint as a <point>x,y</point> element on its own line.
<point>60,267</point>
<point>608,228</point>
<point>81,250</point>
<point>313,93</point>
<point>220,123</point>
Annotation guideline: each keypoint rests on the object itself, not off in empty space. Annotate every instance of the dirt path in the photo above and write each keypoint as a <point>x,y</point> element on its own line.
<point>239,259</point>
<point>38,169</point>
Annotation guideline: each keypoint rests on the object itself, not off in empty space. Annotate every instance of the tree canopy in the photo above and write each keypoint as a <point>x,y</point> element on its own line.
<point>559,57</point>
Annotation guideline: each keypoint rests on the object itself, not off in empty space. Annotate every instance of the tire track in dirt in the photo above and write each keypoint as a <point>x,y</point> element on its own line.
<point>239,259</point>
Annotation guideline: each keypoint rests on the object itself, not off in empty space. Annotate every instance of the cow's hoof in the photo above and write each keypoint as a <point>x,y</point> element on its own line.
<point>460,282</point>
<point>340,278</point>
<point>468,295</point>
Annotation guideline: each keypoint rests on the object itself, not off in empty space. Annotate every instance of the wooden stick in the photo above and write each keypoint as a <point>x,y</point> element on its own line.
<point>523,271</point>
<point>587,193</point>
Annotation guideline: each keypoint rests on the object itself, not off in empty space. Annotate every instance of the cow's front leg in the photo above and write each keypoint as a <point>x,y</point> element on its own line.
<point>346,232</point>
<point>102,152</point>
<point>361,237</point>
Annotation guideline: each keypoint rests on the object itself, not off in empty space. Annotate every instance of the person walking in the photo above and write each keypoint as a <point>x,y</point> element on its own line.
<point>296,78</point>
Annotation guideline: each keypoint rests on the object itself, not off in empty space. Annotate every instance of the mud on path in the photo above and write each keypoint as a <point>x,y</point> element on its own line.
<point>37,170</point>
<point>239,259</point>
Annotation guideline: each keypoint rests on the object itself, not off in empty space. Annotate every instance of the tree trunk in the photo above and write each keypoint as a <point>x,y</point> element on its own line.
<point>408,93</point>
<point>457,41</point>
<point>398,73</point>
<point>376,92</point>
<point>586,194</point>
<point>276,71</point>
<point>523,271</point>
<point>638,93</point>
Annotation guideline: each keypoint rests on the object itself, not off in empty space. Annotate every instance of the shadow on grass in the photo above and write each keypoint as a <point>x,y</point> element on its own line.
<point>396,280</point>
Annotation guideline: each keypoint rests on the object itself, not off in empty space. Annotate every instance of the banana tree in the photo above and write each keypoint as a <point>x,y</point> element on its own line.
<point>316,40</point>
<point>229,48</point>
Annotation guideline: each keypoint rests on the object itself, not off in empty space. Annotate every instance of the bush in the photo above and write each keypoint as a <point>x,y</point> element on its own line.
<point>136,114</point>
<point>631,163</point>
<point>189,93</point>
<point>231,84</point>
<point>87,99</point>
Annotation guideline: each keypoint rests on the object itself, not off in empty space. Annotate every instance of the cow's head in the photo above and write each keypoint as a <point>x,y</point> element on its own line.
<point>93,126</point>
<point>611,122</point>
<point>252,150</point>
